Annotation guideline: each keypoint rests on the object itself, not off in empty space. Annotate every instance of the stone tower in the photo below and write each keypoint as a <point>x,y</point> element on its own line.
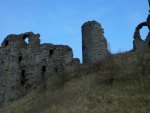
<point>94,44</point>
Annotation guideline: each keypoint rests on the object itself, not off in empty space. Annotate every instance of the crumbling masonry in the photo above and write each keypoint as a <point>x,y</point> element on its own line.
<point>139,44</point>
<point>23,66</point>
<point>94,44</point>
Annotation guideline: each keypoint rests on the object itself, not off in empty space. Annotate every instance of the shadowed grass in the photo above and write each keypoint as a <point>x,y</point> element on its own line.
<point>118,84</point>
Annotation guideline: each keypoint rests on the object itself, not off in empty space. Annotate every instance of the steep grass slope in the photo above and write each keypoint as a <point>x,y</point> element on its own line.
<point>118,84</point>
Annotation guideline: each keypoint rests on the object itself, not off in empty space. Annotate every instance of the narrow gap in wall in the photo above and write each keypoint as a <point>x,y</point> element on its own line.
<point>6,43</point>
<point>43,69</point>
<point>51,52</point>
<point>149,43</point>
<point>20,59</point>
<point>23,79</point>
<point>55,69</point>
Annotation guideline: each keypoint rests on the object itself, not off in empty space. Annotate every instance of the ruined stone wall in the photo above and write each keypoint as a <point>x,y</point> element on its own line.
<point>23,66</point>
<point>139,44</point>
<point>94,44</point>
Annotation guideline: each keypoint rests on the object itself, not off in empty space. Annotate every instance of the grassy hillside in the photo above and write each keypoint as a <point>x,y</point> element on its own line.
<point>118,84</point>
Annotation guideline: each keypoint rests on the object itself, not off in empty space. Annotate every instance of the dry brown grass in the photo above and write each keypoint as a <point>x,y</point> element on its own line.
<point>118,84</point>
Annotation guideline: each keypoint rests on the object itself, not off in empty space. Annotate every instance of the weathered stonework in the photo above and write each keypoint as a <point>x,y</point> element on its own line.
<point>94,44</point>
<point>26,65</point>
<point>139,44</point>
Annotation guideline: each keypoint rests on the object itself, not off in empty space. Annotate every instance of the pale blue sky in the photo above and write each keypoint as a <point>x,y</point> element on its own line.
<point>59,21</point>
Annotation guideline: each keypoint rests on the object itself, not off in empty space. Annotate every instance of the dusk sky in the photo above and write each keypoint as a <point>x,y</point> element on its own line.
<point>60,21</point>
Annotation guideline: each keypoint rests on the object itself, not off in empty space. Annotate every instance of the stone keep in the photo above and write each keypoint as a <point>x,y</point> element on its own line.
<point>94,44</point>
<point>24,66</point>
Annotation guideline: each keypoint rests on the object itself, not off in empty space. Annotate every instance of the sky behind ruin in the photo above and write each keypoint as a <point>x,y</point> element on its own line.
<point>59,21</point>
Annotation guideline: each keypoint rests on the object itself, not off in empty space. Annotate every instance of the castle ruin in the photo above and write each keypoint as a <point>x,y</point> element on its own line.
<point>24,65</point>
<point>94,44</point>
<point>138,43</point>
